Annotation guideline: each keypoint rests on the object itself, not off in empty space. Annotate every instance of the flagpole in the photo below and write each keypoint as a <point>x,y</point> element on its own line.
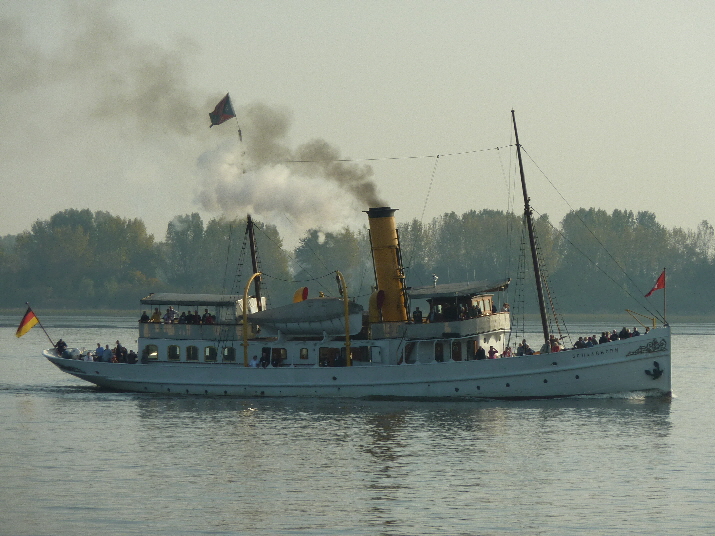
<point>40,323</point>
<point>240,144</point>
<point>665,316</point>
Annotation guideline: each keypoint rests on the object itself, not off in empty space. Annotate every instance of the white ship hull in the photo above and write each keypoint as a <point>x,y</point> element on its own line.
<point>638,364</point>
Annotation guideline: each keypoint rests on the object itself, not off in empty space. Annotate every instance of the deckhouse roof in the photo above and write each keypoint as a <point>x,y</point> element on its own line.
<point>451,290</point>
<point>173,298</point>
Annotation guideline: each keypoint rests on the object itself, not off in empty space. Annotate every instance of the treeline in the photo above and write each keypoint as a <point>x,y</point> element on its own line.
<point>595,261</point>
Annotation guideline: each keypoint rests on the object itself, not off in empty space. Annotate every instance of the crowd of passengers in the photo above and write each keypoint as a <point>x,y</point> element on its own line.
<point>118,354</point>
<point>172,316</point>
<point>449,312</point>
<point>555,345</point>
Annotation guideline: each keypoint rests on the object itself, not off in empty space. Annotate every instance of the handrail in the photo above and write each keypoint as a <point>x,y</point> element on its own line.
<point>633,314</point>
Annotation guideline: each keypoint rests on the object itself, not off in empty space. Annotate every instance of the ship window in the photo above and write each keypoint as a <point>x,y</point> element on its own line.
<point>472,349</point>
<point>438,352</point>
<point>360,354</point>
<point>331,357</point>
<point>304,353</point>
<point>174,353</point>
<point>410,353</point>
<point>151,351</point>
<point>456,351</point>
<point>192,353</point>
<point>278,357</point>
<point>229,354</point>
<point>210,353</point>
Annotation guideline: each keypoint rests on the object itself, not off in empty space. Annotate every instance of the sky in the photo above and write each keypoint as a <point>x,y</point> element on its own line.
<point>104,105</point>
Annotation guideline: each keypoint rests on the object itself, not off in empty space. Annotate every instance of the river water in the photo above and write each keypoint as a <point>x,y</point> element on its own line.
<point>75,460</point>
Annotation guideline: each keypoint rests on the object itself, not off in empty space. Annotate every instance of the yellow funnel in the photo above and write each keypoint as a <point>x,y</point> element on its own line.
<point>388,264</point>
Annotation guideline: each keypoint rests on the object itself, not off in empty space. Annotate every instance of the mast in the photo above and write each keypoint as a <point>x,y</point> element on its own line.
<point>532,243</point>
<point>254,260</point>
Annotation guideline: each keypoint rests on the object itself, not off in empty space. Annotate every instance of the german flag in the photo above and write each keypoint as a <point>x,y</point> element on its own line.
<point>27,322</point>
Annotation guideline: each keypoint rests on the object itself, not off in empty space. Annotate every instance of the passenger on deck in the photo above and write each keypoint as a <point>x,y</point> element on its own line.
<point>253,363</point>
<point>265,360</point>
<point>604,338</point>
<point>505,308</point>
<point>61,346</point>
<point>156,315</point>
<point>417,316</point>
<point>494,308</point>
<point>107,354</point>
<point>614,336</point>
<point>182,318</point>
<point>580,343</point>
<point>555,346</point>
<point>98,351</point>
<point>197,317</point>
<point>120,353</point>
<point>144,318</point>
<point>635,332</point>
<point>132,357</point>
<point>493,353</point>
<point>481,354</point>
<point>506,352</point>
<point>624,334</point>
<point>520,350</point>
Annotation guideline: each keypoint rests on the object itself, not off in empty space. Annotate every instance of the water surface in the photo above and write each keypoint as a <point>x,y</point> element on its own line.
<point>78,460</point>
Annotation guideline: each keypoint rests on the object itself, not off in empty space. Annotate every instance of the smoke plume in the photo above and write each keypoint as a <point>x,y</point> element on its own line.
<point>126,108</point>
<point>309,187</point>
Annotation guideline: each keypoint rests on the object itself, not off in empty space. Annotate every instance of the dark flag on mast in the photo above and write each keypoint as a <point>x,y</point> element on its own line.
<point>222,112</point>
<point>659,284</point>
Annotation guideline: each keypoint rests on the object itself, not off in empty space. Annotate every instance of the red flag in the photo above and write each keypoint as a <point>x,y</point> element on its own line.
<point>26,323</point>
<point>658,284</point>
<point>222,112</point>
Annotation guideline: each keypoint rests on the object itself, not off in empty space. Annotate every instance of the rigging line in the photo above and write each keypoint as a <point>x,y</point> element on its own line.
<point>332,274</point>
<point>507,266</point>
<point>585,225</point>
<point>228,255</point>
<point>424,209</point>
<point>429,188</point>
<point>599,268</point>
<point>290,255</point>
<point>384,158</point>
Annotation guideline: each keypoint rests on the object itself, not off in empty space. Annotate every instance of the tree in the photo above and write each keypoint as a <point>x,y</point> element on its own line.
<point>320,254</point>
<point>182,262</point>
<point>77,256</point>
